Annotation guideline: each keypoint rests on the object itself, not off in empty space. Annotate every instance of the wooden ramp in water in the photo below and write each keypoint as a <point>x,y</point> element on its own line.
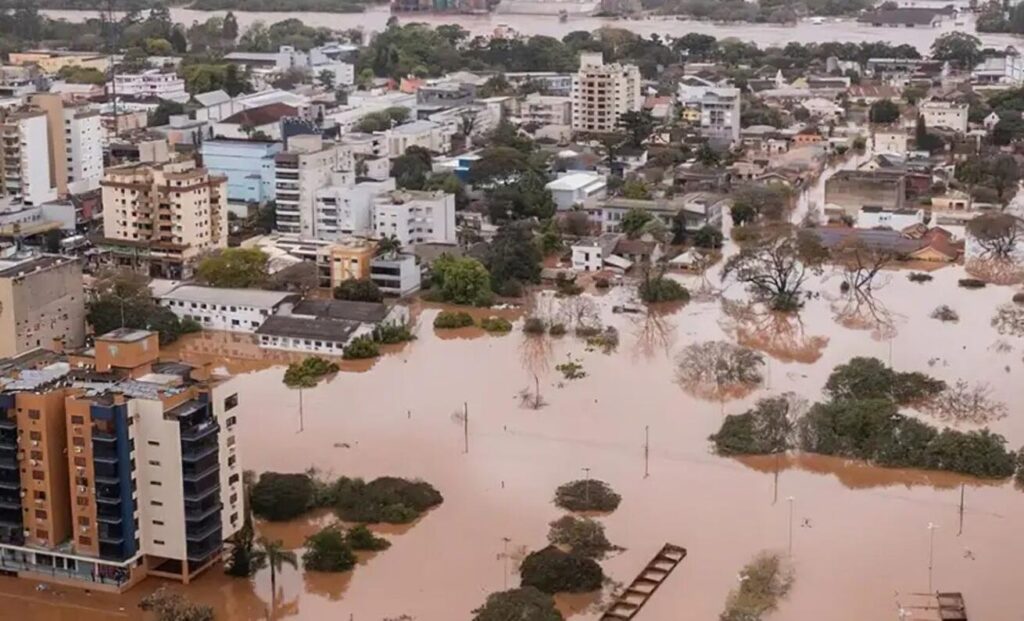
<point>629,602</point>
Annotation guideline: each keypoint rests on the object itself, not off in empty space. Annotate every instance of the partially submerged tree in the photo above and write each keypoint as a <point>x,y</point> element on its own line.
<point>997,234</point>
<point>553,571</point>
<point>523,604</point>
<point>763,583</point>
<point>961,402</point>
<point>239,268</point>
<point>282,496</point>
<point>581,535</point>
<point>772,267</point>
<point>719,370</point>
<point>860,263</point>
<point>168,606</point>
<point>870,378</point>
<point>769,428</point>
<point>587,495</point>
<point>329,551</point>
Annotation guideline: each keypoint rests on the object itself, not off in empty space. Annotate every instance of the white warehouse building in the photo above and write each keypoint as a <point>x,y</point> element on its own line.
<point>231,310</point>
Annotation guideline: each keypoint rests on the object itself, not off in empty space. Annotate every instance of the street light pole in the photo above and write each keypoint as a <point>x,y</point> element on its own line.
<point>586,486</point>
<point>931,552</point>
<point>790,499</point>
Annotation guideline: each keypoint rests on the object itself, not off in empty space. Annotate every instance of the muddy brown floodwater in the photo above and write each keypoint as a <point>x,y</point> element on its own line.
<point>859,534</point>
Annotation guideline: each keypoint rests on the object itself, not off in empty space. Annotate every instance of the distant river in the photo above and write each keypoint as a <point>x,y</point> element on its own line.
<point>761,34</point>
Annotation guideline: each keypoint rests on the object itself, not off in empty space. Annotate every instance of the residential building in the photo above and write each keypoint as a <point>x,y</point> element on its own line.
<point>230,310</point>
<point>601,93</point>
<point>128,467</point>
<point>261,121</point>
<point>152,83</point>
<point>577,188</point>
<point>345,207</point>
<point>350,260</point>
<point>415,217</point>
<point>874,217</point>
<point>590,254</point>
<point>329,57</point>
<point>848,190</point>
<point>300,171</point>
<point>166,213</point>
<point>905,17</point>
<point>545,110</point>
<point>945,114</point>
<point>425,134</point>
<point>41,301</point>
<point>822,108</point>
<point>890,141</point>
<point>25,157</point>
<point>395,274</point>
<point>695,209</point>
<point>75,144</point>
<point>1007,70</point>
<point>248,166</point>
<point>445,94</point>
<point>716,109</point>
<point>549,82</point>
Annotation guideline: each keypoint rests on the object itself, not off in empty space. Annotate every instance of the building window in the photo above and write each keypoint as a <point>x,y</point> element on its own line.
<point>77,420</point>
<point>82,501</point>
<point>153,443</point>
<point>78,441</point>
<point>38,475</point>
<point>80,461</point>
<point>42,534</point>
<point>232,421</point>
<point>156,503</point>
<point>230,402</point>
<point>35,435</point>
<point>85,541</point>
<point>157,523</point>
<point>40,495</point>
<point>83,520</point>
<point>33,414</point>
<point>157,483</point>
<point>40,514</point>
<point>37,455</point>
<point>153,462</point>
<point>158,542</point>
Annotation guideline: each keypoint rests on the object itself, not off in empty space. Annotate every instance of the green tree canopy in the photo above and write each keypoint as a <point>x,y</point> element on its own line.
<point>237,268</point>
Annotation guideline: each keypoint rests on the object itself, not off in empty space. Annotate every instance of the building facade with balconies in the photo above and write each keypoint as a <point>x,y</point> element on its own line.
<point>305,167</point>
<point>126,466</point>
<point>414,217</point>
<point>162,216</point>
<point>602,93</point>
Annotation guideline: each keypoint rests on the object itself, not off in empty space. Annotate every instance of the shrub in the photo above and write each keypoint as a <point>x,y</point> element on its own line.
<point>571,370</point>
<point>945,313</point>
<point>588,332</point>
<point>328,550</point>
<point>281,496</point>
<point>719,369</point>
<point>766,428</point>
<point>971,283</point>
<point>307,373</point>
<point>557,329</point>
<point>450,320</point>
<point>554,571</point>
<point>510,289</point>
<point>869,378</point>
<point>360,538</point>
<point>386,499</point>
<point>566,286</point>
<point>496,324</point>
<point>587,495</point>
<point>1018,298</point>
<point>534,325</point>
<point>1020,467</point>
<point>361,348</point>
<point>919,277</point>
<point>708,238</point>
<point>602,283</point>
<point>765,581</point>
<point>583,536</point>
<point>523,604</point>
<point>662,289</point>
<point>391,333</point>
<point>358,291</point>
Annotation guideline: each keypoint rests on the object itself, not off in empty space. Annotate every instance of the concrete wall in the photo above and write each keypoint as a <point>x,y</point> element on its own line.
<point>42,306</point>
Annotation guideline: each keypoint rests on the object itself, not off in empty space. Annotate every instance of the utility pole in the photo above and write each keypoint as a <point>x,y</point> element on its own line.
<point>647,451</point>
<point>961,531</point>
<point>536,392</point>
<point>931,552</point>
<point>465,426</point>
<point>504,556</point>
<point>586,486</point>
<point>302,420</point>
<point>790,499</point>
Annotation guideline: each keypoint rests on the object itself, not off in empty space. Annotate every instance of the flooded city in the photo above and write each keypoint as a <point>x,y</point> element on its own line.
<point>859,533</point>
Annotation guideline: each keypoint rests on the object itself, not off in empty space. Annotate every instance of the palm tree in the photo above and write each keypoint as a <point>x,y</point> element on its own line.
<point>388,246</point>
<point>277,557</point>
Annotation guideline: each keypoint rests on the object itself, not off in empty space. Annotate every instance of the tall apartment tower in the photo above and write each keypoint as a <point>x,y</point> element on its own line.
<point>306,167</point>
<point>172,212</point>
<point>25,157</point>
<point>115,466</point>
<point>602,93</point>
<point>75,139</point>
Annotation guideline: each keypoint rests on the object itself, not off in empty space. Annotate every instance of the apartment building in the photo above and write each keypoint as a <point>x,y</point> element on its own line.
<point>601,93</point>
<point>425,134</point>
<point>345,207</point>
<point>305,167</point>
<point>248,165</point>
<point>25,157</point>
<point>945,114</point>
<point>546,110</point>
<point>125,466</point>
<point>415,217</point>
<point>152,83</point>
<point>75,144</point>
<point>165,214</point>
<point>41,301</point>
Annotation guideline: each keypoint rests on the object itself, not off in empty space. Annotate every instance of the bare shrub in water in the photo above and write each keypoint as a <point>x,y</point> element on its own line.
<point>963,403</point>
<point>1009,320</point>
<point>719,370</point>
<point>763,583</point>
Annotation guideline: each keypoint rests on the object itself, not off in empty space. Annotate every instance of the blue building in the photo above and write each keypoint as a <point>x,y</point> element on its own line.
<point>248,165</point>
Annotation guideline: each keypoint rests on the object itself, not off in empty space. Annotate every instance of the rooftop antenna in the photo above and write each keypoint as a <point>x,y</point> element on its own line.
<point>109,20</point>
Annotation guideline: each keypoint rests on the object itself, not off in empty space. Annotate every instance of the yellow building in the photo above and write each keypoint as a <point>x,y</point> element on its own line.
<point>351,260</point>
<point>53,62</point>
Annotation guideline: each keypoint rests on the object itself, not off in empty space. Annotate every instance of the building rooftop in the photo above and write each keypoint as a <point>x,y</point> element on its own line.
<point>21,266</point>
<point>575,181</point>
<point>262,115</point>
<point>331,330</point>
<point>125,335</point>
<point>256,298</point>
<point>363,312</point>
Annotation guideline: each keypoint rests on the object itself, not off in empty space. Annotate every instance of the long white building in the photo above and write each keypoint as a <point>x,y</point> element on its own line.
<point>231,310</point>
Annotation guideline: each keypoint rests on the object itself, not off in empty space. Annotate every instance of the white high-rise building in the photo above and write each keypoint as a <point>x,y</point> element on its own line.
<point>306,167</point>
<point>25,158</point>
<point>415,217</point>
<point>602,93</point>
<point>345,207</point>
<point>85,150</point>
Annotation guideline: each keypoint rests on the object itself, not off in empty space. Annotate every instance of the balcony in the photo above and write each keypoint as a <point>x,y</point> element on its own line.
<point>196,471</point>
<point>197,512</point>
<point>200,431</point>
<point>198,453</point>
<point>10,502</point>
<point>8,461</point>
<point>103,437</point>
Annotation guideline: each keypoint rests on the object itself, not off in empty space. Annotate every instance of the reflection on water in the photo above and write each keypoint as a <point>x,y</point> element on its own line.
<point>780,335</point>
<point>862,310</point>
<point>396,419</point>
